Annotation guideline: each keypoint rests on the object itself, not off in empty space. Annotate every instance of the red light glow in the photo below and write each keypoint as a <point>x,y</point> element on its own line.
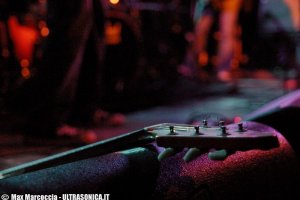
<point>44,32</point>
<point>24,63</point>
<point>237,119</point>
<point>25,72</point>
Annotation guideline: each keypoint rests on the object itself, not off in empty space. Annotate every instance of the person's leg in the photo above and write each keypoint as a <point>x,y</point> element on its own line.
<point>55,84</point>
<point>202,29</point>
<point>85,110</point>
<point>87,95</point>
<point>228,29</point>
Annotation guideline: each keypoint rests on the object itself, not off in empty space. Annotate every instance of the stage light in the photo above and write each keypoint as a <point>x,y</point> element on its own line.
<point>42,24</point>
<point>25,73</point>
<point>114,1</point>
<point>45,32</point>
<point>24,63</point>
<point>237,119</point>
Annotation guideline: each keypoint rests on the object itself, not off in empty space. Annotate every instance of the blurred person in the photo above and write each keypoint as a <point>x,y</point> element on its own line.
<point>226,12</point>
<point>64,96</point>
<point>279,48</point>
<point>16,39</point>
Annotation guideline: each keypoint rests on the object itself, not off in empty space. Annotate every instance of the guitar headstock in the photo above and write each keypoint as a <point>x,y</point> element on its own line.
<point>234,136</point>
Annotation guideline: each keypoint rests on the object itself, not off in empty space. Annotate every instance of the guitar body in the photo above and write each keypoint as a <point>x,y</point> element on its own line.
<point>136,174</point>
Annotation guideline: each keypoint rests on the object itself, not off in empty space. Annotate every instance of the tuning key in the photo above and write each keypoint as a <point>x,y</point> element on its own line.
<point>218,154</point>
<point>191,154</point>
<point>168,152</point>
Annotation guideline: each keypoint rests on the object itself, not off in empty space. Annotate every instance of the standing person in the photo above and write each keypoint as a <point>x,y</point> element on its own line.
<point>226,12</point>
<point>67,87</point>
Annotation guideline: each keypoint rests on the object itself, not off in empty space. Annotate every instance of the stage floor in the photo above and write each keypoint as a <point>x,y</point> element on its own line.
<point>210,98</point>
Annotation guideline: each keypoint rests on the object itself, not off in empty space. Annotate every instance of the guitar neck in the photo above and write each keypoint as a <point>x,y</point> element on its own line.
<point>118,143</point>
<point>234,136</point>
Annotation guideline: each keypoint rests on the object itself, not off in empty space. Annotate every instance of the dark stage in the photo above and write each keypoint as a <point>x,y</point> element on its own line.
<point>274,172</point>
<point>189,99</point>
<point>158,66</point>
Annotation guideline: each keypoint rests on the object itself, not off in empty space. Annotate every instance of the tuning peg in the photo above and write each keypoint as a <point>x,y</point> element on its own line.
<point>197,130</point>
<point>171,129</point>
<point>166,153</point>
<point>191,154</point>
<point>218,154</point>
<point>221,123</point>
<point>204,123</point>
<point>241,127</point>
<point>223,130</point>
